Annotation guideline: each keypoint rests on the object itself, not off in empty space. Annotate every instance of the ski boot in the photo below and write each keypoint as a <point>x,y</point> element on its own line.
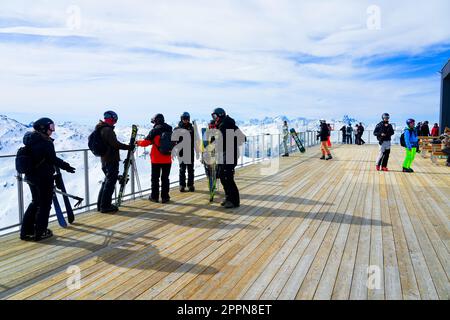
<point>45,235</point>
<point>329,157</point>
<point>165,200</point>
<point>111,209</point>
<point>378,168</point>
<point>385,169</point>
<point>182,189</point>
<point>322,158</point>
<point>191,189</point>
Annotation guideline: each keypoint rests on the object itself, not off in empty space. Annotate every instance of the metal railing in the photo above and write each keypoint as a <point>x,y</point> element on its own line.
<point>254,150</point>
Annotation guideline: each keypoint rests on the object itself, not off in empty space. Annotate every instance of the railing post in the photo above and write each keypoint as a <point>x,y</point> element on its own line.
<point>86,180</point>
<point>254,148</point>
<point>20,196</point>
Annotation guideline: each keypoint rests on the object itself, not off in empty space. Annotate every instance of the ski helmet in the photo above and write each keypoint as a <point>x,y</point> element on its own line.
<point>385,116</point>
<point>323,121</point>
<point>158,119</point>
<point>410,121</point>
<point>111,115</point>
<point>43,125</point>
<point>185,116</point>
<point>218,113</point>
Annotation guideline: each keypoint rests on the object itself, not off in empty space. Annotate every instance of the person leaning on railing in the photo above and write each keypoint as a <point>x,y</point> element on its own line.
<point>40,179</point>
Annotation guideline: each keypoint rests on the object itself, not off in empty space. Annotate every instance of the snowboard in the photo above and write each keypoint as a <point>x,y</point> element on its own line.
<point>59,214</point>
<point>297,140</point>
<point>123,179</point>
<point>208,156</point>
<point>60,185</point>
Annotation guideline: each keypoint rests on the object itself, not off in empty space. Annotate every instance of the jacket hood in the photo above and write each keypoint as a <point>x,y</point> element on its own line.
<point>102,124</point>
<point>164,127</point>
<point>34,137</point>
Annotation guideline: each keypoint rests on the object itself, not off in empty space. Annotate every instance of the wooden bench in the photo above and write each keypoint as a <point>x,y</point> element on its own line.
<point>435,149</point>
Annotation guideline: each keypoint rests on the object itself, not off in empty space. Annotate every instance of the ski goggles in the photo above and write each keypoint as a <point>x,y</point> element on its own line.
<point>214,116</point>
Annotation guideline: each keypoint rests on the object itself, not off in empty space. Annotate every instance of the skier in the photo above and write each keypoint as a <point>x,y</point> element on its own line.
<point>323,135</point>
<point>160,138</point>
<point>349,134</point>
<point>360,134</point>
<point>412,143</point>
<point>344,134</point>
<point>286,136</point>
<point>189,163</point>
<point>384,132</point>
<point>226,169</point>
<point>357,135</point>
<point>110,161</point>
<point>41,180</point>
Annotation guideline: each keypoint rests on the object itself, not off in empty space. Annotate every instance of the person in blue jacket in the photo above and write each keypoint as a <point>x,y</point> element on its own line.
<point>412,143</point>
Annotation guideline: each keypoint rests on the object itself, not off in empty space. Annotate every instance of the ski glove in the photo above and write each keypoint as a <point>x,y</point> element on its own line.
<point>67,167</point>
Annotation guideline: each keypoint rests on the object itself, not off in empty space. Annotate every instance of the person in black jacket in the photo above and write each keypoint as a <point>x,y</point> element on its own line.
<point>361,133</point>
<point>41,180</point>
<point>425,129</point>
<point>344,134</point>
<point>187,164</point>
<point>384,132</point>
<point>228,156</point>
<point>323,135</point>
<point>110,162</point>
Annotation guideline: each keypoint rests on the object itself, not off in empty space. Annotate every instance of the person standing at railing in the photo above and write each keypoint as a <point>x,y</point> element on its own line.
<point>286,137</point>
<point>110,161</point>
<point>349,134</point>
<point>412,143</point>
<point>323,135</point>
<point>384,132</point>
<point>160,137</point>
<point>344,134</point>
<point>41,180</point>
<point>187,164</point>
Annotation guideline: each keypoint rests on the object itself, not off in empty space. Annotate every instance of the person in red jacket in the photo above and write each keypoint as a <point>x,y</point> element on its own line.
<point>161,162</point>
<point>435,130</point>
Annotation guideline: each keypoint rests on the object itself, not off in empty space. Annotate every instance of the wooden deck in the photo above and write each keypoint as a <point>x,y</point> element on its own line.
<point>309,232</point>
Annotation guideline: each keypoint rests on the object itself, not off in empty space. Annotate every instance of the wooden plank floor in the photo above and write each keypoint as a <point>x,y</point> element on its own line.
<point>314,230</point>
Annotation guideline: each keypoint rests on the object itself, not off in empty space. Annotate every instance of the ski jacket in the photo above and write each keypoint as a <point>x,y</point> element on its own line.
<point>361,130</point>
<point>381,128</point>
<point>225,124</point>
<point>411,138</point>
<point>425,130</point>
<point>43,157</point>
<point>324,132</point>
<point>189,127</point>
<point>435,132</point>
<point>112,155</point>
<point>154,138</point>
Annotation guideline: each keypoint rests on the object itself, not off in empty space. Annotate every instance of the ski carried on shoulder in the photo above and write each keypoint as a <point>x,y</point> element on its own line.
<point>297,140</point>
<point>59,182</point>
<point>59,214</point>
<point>209,158</point>
<point>123,179</point>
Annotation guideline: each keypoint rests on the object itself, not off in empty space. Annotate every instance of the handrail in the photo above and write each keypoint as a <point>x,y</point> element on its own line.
<point>251,149</point>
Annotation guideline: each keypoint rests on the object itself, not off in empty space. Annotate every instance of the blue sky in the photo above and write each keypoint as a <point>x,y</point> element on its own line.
<point>71,60</point>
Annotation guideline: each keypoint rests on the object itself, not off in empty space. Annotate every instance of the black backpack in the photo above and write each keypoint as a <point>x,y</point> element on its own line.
<point>165,143</point>
<point>96,143</point>
<point>402,140</point>
<point>24,161</point>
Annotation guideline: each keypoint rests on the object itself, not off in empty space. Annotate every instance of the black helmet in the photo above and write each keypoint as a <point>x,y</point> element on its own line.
<point>43,125</point>
<point>158,119</point>
<point>218,113</point>
<point>409,121</point>
<point>385,116</point>
<point>185,116</point>
<point>111,115</point>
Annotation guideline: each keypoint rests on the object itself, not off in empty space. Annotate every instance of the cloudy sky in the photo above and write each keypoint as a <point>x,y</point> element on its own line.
<point>71,60</point>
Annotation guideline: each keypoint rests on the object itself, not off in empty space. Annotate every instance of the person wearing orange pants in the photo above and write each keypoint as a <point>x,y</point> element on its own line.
<point>323,136</point>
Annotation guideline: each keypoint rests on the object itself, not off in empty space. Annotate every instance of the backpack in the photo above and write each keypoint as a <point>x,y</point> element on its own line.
<point>402,140</point>
<point>165,143</point>
<point>96,143</point>
<point>24,161</point>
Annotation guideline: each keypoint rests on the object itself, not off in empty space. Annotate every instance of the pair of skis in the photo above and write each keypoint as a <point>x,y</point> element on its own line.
<point>297,140</point>
<point>124,178</point>
<point>61,189</point>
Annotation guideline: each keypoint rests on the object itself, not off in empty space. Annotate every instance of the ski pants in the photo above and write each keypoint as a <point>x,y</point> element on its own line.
<point>226,175</point>
<point>344,138</point>
<point>324,148</point>
<point>410,156</point>
<point>160,171</point>
<point>111,171</point>
<point>190,170</point>
<point>349,139</point>
<point>383,156</point>
<point>35,219</point>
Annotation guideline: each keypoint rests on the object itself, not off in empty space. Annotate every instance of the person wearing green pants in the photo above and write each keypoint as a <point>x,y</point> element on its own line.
<point>412,143</point>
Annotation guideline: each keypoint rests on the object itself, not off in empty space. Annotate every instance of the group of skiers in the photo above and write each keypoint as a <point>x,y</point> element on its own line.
<point>44,161</point>
<point>348,131</point>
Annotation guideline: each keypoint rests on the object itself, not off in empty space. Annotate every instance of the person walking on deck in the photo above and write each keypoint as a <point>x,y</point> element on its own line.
<point>323,135</point>
<point>160,137</point>
<point>188,163</point>
<point>384,132</point>
<point>411,143</point>
<point>360,133</point>
<point>40,179</point>
<point>286,137</point>
<point>110,161</point>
